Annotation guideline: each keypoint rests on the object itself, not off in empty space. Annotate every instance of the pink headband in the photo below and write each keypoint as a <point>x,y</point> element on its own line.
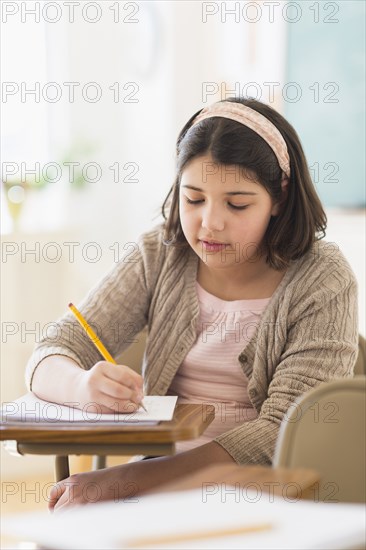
<point>255,121</point>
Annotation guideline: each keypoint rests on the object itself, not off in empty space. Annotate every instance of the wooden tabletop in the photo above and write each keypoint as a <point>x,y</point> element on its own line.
<point>290,483</point>
<point>189,422</point>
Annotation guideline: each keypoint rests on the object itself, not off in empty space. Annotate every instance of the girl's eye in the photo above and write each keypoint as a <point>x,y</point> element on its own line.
<point>192,202</point>
<point>238,207</point>
<point>231,205</point>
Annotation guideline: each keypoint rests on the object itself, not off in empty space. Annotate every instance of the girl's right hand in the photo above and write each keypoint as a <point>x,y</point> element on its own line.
<point>110,388</point>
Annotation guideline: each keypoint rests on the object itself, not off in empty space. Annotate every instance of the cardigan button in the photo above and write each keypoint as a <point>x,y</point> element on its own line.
<point>244,358</point>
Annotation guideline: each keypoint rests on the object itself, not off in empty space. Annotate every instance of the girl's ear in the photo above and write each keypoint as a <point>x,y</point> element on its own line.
<point>277,206</point>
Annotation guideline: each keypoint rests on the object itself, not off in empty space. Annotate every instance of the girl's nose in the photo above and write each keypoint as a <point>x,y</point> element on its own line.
<point>212,219</point>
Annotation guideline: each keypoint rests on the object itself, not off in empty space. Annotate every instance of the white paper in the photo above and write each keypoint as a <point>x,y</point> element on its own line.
<point>295,525</point>
<point>30,408</point>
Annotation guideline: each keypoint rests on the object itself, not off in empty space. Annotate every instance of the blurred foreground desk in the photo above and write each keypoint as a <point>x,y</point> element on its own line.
<point>189,422</point>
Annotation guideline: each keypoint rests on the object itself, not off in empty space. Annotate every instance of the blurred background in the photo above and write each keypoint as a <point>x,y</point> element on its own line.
<point>94,95</point>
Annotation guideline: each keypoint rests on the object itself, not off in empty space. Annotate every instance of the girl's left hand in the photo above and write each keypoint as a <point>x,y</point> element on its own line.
<point>90,487</point>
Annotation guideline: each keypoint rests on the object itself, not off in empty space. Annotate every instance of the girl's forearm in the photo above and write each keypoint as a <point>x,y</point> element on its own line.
<point>137,478</point>
<point>148,475</point>
<point>56,379</point>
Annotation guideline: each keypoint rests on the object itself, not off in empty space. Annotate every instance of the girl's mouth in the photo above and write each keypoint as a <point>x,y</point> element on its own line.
<point>212,246</point>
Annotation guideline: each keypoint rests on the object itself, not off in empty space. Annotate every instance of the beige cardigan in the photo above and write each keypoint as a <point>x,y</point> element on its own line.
<point>307,334</point>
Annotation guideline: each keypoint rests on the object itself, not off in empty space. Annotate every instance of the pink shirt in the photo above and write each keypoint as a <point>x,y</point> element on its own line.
<point>211,372</point>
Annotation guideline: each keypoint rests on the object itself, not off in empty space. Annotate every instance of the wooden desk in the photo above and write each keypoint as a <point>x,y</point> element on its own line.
<point>189,422</point>
<point>290,483</point>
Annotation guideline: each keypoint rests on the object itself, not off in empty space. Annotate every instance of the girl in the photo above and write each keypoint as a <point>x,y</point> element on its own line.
<point>246,307</point>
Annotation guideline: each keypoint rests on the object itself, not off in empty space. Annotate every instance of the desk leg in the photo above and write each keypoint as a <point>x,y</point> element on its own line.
<point>62,470</point>
<point>99,462</point>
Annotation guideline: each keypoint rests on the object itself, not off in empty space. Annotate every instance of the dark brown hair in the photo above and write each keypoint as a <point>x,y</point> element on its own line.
<point>293,231</point>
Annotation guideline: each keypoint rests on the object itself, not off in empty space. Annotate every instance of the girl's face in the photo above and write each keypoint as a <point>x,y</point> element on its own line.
<point>219,204</point>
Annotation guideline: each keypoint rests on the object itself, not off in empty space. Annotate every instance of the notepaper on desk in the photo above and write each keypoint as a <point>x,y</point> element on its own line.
<point>29,408</point>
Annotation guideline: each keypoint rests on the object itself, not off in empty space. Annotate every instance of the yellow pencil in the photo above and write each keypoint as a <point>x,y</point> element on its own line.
<point>185,537</point>
<point>94,338</point>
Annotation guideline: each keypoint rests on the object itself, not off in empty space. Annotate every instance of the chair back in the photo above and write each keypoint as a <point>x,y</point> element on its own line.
<point>325,430</point>
<point>360,366</point>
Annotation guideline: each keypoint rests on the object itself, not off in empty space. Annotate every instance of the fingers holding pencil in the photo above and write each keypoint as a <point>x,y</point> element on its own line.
<point>112,386</point>
<point>121,382</point>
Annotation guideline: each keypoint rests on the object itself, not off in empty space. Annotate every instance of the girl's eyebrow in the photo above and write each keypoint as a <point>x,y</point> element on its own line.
<point>228,193</point>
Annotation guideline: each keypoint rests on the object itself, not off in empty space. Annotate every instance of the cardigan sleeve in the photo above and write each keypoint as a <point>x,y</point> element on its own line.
<point>116,308</point>
<point>321,345</point>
